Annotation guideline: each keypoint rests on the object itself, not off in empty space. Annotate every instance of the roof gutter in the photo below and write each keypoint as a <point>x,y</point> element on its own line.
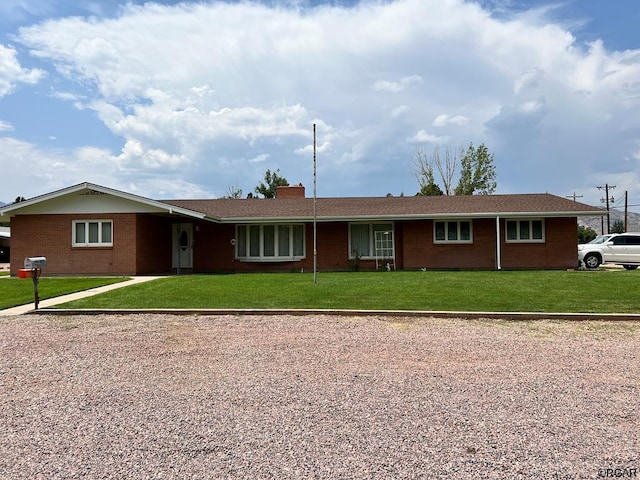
<point>361,218</point>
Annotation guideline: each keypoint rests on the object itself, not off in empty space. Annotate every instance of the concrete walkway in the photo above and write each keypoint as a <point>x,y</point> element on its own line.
<point>29,307</point>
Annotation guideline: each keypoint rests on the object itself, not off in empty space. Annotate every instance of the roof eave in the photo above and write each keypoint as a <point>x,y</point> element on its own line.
<point>171,209</point>
<point>362,218</point>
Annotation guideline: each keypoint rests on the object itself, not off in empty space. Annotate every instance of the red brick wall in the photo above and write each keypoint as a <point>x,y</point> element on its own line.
<point>213,250</point>
<point>290,191</point>
<point>51,236</point>
<point>560,250</point>
<point>143,245</point>
<point>154,237</point>
<point>420,251</point>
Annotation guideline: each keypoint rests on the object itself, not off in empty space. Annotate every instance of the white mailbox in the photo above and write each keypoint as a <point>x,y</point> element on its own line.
<point>35,262</point>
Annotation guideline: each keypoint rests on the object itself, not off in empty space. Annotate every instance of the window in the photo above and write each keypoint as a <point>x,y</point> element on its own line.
<point>452,231</point>
<point>362,239</point>
<point>270,242</point>
<point>531,231</point>
<point>92,233</point>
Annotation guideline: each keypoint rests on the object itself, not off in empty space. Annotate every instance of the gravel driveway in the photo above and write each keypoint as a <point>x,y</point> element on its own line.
<point>326,397</point>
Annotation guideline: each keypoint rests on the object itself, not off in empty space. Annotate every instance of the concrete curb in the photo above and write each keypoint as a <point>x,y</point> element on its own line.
<point>517,316</point>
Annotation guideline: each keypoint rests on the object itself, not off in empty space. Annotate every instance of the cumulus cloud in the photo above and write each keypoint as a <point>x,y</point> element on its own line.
<point>399,86</point>
<point>423,137</point>
<point>11,73</point>
<point>263,157</point>
<point>444,119</point>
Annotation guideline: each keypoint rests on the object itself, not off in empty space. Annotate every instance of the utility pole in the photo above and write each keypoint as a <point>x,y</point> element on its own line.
<point>626,209</point>
<point>606,190</point>
<point>574,196</point>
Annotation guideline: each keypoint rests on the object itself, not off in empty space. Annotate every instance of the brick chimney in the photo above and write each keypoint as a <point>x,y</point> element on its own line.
<point>290,191</point>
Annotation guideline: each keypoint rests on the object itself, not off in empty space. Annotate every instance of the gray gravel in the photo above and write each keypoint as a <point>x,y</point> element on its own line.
<point>188,397</point>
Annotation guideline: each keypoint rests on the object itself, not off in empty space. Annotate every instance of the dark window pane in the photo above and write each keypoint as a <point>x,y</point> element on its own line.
<point>360,240</point>
<point>241,241</point>
<point>81,232</point>
<point>93,232</point>
<point>106,232</point>
<point>452,230</point>
<point>298,240</point>
<point>536,227</point>
<point>268,237</point>
<point>283,241</point>
<point>254,241</point>
<point>465,230</point>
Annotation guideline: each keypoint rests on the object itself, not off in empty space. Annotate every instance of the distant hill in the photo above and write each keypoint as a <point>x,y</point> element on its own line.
<point>2,203</point>
<point>633,221</point>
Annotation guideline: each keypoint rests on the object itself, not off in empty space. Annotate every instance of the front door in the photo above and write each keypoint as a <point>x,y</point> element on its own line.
<point>182,246</point>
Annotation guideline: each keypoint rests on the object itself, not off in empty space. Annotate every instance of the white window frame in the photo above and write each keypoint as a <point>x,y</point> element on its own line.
<point>446,231</point>
<point>87,242</point>
<point>529,222</point>
<point>278,256</point>
<point>372,239</point>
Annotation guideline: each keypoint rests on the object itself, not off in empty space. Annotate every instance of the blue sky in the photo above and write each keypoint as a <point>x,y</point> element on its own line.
<point>187,99</point>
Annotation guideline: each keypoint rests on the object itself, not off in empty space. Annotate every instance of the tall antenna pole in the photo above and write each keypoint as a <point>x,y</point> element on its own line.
<point>315,229</point>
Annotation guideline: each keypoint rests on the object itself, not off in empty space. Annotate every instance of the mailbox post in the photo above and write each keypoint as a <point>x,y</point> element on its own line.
<point>33,267</point>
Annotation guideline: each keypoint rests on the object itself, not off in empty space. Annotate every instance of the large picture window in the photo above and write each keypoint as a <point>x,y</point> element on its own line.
<point>92,233</point>
<point>452,231</point>
<point>529,231</point>
<point>362,239</point>
<point>270,242</point>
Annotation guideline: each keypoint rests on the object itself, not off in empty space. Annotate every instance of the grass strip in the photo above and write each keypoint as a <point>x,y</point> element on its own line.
<point>499,291</point>
<point>17,291</point>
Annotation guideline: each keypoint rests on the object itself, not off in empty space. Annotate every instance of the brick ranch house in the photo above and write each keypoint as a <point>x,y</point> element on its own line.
<point>89,229</point>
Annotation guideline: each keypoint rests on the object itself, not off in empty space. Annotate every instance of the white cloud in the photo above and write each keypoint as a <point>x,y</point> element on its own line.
<point>135,156</point>
<point>5,126</point>
<point>529,79</point>
<point>444,119</point>
<point>11,73</point>
<point>263,157</point>
<point>397,87</point>
<point>423,137</point>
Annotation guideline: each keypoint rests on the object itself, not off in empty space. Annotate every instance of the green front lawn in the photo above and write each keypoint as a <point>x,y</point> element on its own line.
<point>18,291</point>
<point>513,291</point>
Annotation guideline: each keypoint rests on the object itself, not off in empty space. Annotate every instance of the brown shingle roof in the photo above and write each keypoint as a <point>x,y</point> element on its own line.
<point>354,208</point>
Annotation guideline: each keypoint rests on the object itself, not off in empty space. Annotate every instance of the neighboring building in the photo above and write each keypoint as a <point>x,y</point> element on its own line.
<point>89,229</point>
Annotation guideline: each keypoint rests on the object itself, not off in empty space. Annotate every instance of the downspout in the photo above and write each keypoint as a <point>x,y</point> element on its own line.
<point>498,251</point>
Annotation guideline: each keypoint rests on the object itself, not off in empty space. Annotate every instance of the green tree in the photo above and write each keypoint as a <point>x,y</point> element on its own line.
<point>272,180</point>
<point>617,227</point>
<point>477,172</point>
<point>586,234</point>
<point>474,168</point>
